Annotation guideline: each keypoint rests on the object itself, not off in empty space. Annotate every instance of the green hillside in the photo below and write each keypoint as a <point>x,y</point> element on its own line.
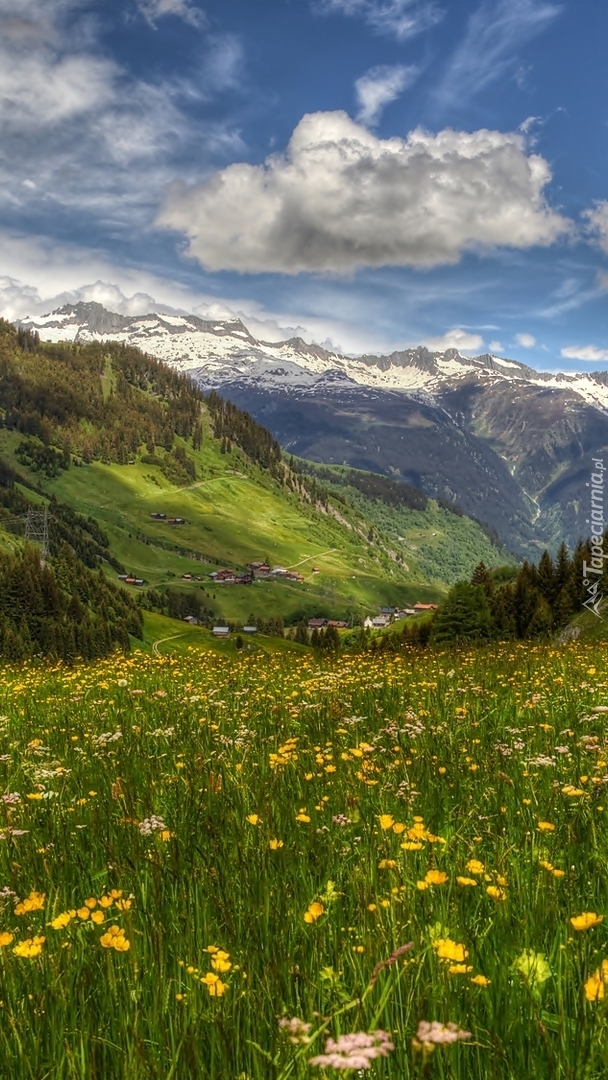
<point>118,437</point>
<point>440,541</point>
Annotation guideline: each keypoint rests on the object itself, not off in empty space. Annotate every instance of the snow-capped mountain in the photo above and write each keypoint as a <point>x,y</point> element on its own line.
<point>509,444</point>
<point>222,351</point>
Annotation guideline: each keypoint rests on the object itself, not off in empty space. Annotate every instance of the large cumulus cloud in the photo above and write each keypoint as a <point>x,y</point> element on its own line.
<point>341,198</point>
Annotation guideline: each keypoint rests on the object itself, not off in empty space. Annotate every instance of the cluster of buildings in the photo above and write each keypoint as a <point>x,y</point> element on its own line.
<point>255,570</point>
<point>389,615</point>
<point>168,520</point>
<point>322,624</point>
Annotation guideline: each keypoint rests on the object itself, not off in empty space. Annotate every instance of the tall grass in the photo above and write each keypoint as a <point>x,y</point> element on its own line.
<point>167,780</point>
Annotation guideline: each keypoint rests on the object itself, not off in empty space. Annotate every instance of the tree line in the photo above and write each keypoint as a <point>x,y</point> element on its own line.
<point>61,610</point>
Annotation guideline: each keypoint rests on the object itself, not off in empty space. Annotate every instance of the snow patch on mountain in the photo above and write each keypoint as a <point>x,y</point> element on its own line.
<point>224,351</point>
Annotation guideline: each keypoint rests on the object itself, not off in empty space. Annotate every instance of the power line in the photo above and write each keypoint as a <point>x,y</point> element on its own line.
<point>37,530</point>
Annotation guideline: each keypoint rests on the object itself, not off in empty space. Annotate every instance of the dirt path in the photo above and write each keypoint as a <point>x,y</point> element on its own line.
<point>161,641</point>
<point>310,558</point>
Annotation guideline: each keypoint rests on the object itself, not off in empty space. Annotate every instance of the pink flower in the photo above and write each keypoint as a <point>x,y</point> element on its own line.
<point>296,1030</point>
<point>356,1051</point>
<point>431,1034</point>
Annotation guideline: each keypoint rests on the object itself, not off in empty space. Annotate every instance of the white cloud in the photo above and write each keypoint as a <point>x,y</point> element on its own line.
<point>399,18</point>
<point>341,198</point>
<point>488,51</point>
<point>153,10</point>
<point>378,87</point>
<point>461,340</point>
<point>79,132</point>
<point>527,341</point>
<point>590,353</point>
<point>495,347</point>
<point>38,90</point>
<point>38,275</point>
<point>597,227</point>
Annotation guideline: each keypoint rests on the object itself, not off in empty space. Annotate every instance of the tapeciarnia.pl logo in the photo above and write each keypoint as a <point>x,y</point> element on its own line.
<point>594,570</point>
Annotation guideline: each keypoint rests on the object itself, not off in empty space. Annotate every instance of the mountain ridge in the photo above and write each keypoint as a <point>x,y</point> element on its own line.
<point>507,443</point>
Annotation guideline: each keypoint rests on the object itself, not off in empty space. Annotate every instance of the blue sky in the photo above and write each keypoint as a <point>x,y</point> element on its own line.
<point>370,173</point>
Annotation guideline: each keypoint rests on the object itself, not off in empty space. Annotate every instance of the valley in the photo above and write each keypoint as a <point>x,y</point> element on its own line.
<point>506,443</point>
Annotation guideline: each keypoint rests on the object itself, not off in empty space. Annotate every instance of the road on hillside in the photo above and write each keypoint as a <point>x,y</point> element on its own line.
<point>308,558</point>
<point>162,640</point>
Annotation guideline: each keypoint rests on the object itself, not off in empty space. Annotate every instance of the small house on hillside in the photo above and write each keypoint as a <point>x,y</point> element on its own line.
<point>221,631</point>
<point>425,607</point>
<point>250,629</point>
<point>317,624</point>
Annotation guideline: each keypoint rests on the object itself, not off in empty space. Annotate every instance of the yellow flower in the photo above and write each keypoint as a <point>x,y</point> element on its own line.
<point>314,912</point>
<point>459,969</point>
<point>586,921</point>
<point>386,821</point>
<point>214,984</point>
<point>447,949</point>
<point>412,845</point>
<point>30,947</point>
<point>546,826</point>
<point>276,844</point>
<point>480,980</point>
<point>115,938</point>
<point>466,881</point>
<point>399,827</point>
<point>435,877</point>
<point>91,903</point>
<point>302,817</point>
<point>83,913</point>
<point>387,864</point>
<point>253,819</point>
<point>594,987</point>
<point>35,796</point>
<point>422,885</point>
<point>474,866</point>
<point>372,907</point>
<point>34,902</point>
<point>220,962</point>
<point>5,938</point>
<point>61,921</point>
<point>105,901</point>
<point>496,893</point>
<point>98,917</point>
<point>558,873</point>
<point>124,905</point>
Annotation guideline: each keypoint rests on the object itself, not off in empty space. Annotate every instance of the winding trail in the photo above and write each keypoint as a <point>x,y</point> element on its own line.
<point>161,641</point>
<point>309,557</point>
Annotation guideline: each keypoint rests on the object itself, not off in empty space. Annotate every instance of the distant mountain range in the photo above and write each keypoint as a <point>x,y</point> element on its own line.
<point>509,444</point>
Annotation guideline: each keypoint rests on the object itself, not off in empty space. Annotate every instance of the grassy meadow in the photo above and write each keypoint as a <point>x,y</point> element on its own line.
<point>196,847</point>
<point>236,513</point>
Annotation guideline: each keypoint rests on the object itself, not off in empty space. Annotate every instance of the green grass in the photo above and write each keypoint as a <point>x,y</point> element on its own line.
<point>285,783</point>
<point>169,637</point>
<point>236,514</point>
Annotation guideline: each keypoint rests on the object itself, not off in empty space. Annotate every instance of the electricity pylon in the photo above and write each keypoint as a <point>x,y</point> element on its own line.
<point>37,530</point>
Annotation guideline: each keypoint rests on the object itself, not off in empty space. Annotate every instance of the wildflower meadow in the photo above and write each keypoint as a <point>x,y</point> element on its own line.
<point>272,867</point>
